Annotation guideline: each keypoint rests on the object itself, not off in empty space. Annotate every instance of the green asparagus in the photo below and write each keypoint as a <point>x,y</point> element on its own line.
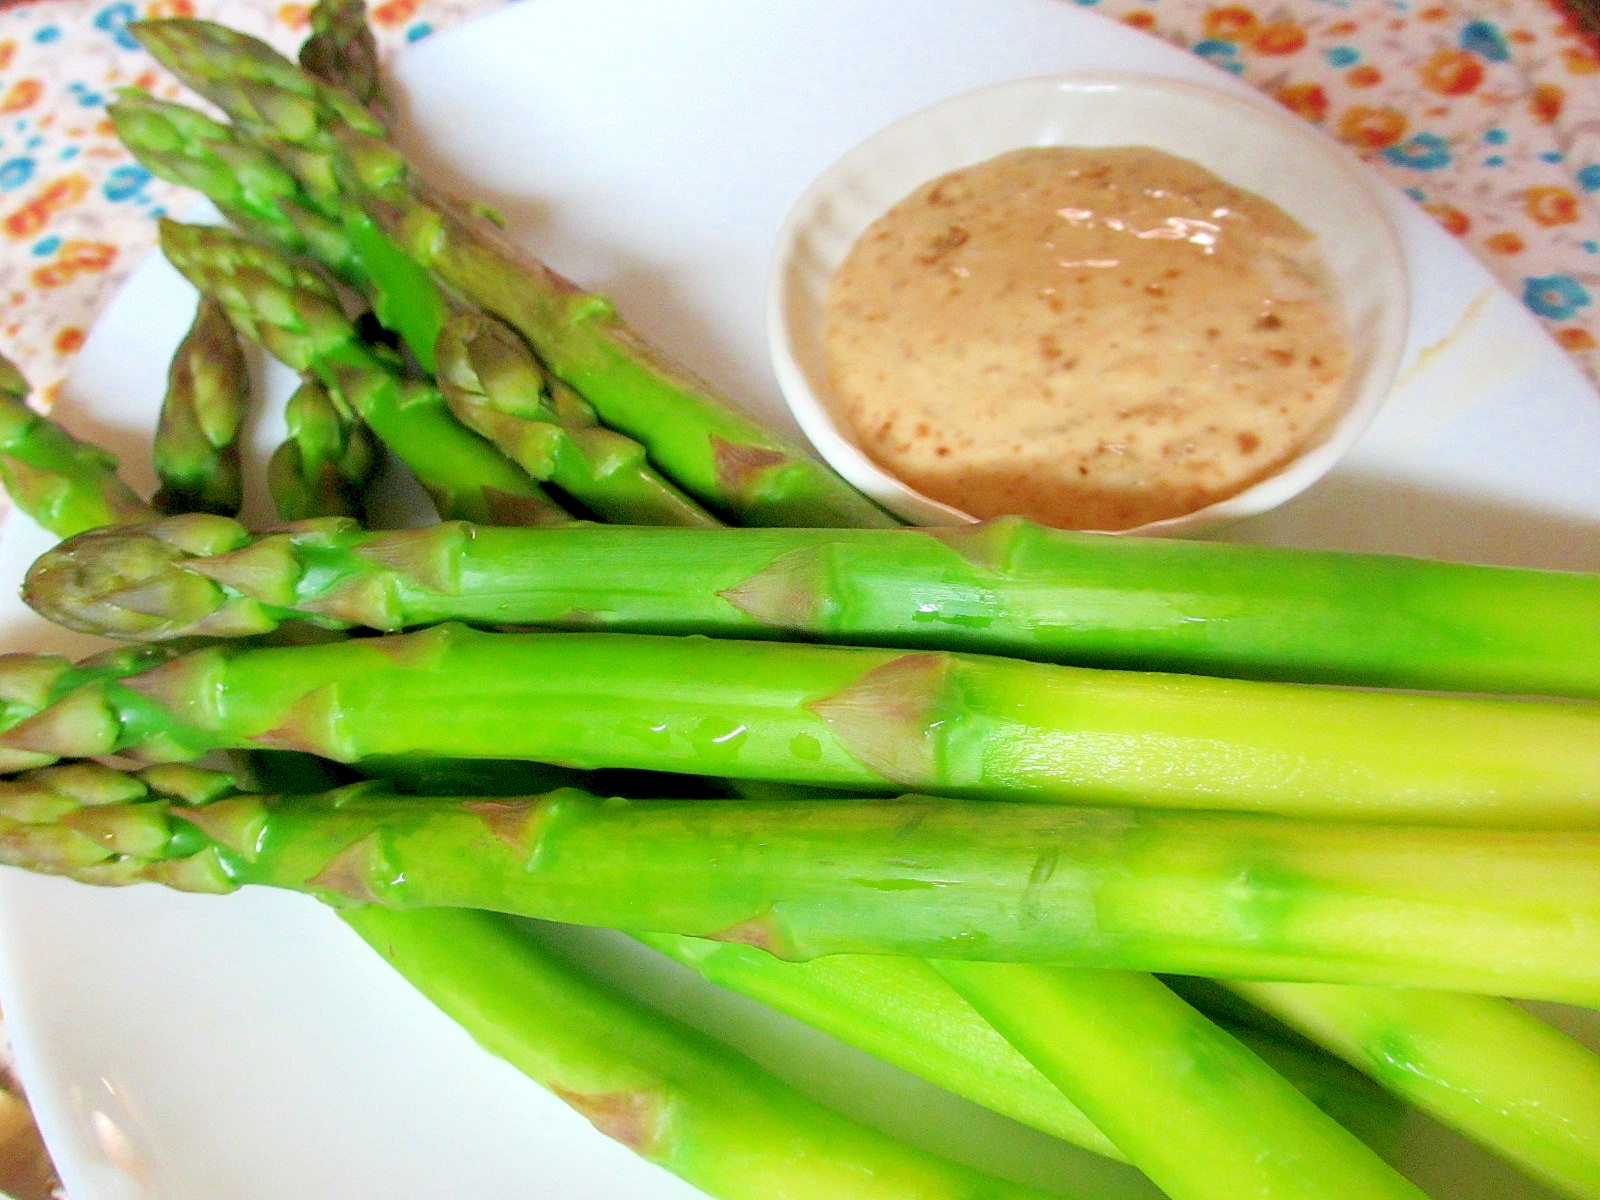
<point>1479,1064</point>
<point>1503,913</point>
<point>902,1011</point>
<point>1008,587</point>
<point>323,466</point>
<point>297,317</point>
<point>1187,1102</point>
<point>197,435</point>
<point>723,458</point>
<point>66,485</point>
<point>280,109</point>
<point>495,386</point>
<point>342,51</point>
<point>667,1092</point>
<point>269,98</point>
<point>245,182</point>
<point>970,725</point>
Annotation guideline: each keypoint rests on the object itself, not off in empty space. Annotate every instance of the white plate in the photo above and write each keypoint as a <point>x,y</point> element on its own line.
<point>249,1048</point>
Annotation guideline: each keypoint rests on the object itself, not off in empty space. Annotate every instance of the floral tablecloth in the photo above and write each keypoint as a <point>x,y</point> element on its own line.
<point>1486,112</point>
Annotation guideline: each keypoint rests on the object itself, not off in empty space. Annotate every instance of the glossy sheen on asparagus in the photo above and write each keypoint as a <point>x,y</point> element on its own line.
<point>669,1093</point>
<point>1188,1103</point>
<point>197,435</point>
<point>496,387</point>
<point>874,720</point>
<point>720,456</point>
<point>66,485</point>
<point>1007,587</point>
<point>1479,1064</point>
<point>1189,893</point>
<point>297,317</point>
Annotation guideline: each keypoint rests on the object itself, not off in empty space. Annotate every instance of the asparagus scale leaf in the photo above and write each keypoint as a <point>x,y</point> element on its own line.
<point>1224,895</point>
<point>1008,587</point>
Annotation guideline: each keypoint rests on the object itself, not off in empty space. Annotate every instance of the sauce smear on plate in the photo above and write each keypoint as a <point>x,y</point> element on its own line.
<point>1095,338</point>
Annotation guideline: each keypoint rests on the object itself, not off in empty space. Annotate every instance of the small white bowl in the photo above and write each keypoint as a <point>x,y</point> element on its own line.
<point>1262,149</point>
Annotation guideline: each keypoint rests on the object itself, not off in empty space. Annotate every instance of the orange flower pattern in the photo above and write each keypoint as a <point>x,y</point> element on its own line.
<point>1485,112</point>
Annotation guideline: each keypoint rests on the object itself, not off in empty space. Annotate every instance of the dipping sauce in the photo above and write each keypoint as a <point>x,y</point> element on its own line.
<point>1095,338</point>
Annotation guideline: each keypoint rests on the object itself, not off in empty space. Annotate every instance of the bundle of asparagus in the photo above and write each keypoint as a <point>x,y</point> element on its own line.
<point>992,937</point>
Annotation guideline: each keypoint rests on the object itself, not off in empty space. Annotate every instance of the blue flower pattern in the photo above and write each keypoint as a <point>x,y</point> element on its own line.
<point>1557,297</point>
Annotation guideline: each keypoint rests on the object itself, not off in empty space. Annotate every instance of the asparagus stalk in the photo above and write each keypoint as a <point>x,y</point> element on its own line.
<point>670,1094</point>
<point>342,51</point>
<point>297,317</point>
<point>872,720</point>
<point>718,455</point>
<point>323,467</point>
<point>1188,1103</point>
<point>1478,1064</point>
<point>197,434</point>
<point>667,1092</point>
<point>1007,587</point>
<point>66,485</point>
<point>1496,912</point>
<point>495,386</point>
<point>1375,1116</point>
<point>899,1010</point>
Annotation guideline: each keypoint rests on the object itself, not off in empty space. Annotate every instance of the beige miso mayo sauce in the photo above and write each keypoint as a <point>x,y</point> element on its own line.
<point>1095,338</point>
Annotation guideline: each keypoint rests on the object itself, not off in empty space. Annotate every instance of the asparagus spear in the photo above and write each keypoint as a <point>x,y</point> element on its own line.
<point>245,180</point>
<point>323,467</point>
<point>670,1094</point>
<point>297,317</point>
<point>723,458</point>
<point>269,98</point>
<point>667,1092</point>
<point>1193,893</point>
<point>1478,1064</point>
<point>990,728</point>
<point>197,435</point>
<point>342,51</point>
<point>1008,587</point>
<point>1188,1103</point>
<point>66,485</point>
<point>495,386</point>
